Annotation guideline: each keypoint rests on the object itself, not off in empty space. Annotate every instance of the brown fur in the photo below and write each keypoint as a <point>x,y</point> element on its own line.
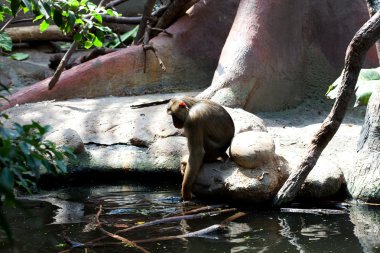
<point>209,130</point>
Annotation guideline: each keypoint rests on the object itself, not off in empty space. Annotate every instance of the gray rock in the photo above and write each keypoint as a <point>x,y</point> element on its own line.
<point>68,138</point>
<point>325,180</point>
<point>230,182</point>
<point>252,149</point>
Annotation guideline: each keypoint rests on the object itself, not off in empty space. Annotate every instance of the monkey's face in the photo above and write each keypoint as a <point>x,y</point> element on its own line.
<point>179,111</point>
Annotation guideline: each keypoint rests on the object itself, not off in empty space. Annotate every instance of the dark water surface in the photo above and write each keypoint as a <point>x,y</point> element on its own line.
<point>69,213</point>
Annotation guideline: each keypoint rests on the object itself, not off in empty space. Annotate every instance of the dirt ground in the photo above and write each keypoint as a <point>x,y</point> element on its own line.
<point>293,129</point>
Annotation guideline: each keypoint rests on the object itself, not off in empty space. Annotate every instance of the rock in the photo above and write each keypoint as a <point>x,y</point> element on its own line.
<point>252,149</point>
<point>325,180</point>
<point>68,138</point>
<point>245,121</point>
<point>230,182</point>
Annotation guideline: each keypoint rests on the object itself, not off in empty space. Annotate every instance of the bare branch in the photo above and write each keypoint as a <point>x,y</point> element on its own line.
<point>356,52</point>
<point>115,236</point>
<point>146,14</point>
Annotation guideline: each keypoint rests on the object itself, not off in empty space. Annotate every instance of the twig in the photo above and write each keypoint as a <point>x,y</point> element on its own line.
<point>62,65</point>
<point>114,3</point>
<point>150,104</point>
<point>176,218</point>
<point>197,210</point>
<point>150,47</point>
<point>161,30</point>
<point>22,20</point>
<point>6,24</point>
<point>169,219</point>
<point>148,7</point>
<point>115,236</point>
<point>9,21</point>
<point>122,20</point>
<point>312,211</point>
<point>201,232</point>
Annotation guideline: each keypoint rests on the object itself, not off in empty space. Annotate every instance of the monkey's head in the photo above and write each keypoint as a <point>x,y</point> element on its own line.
<point>179,110</point>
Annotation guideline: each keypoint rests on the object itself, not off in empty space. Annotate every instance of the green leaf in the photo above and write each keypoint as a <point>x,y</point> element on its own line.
<point>78,37</point>
<point>44,8</point>
<point>5,42</point>
<point>125,38</point>
<point>368,79</point>
<point>27,4</point>
<point>6,178</point>
<point>87,44</point>
<point>364,91</point>
<point>38,17</point>
<point>97,42</point>
<point>98,17</point>
<point>57,17</point>
<point>19,56</point>
<point>44,25</point>
<point>369,74</point>
<point>79,22</point>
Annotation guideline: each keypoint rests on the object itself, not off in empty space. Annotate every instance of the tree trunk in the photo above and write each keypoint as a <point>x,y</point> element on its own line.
<point>273,53</point>
<point>363,181</point>
<point>356,53</point>
<point>373,7</point>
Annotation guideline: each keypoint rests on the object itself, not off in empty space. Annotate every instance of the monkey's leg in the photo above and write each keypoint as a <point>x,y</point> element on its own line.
<point>193,165</point>
<point>184,162</point>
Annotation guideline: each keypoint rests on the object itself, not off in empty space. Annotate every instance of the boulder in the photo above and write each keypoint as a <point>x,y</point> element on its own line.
<point>67,138</point>
<point>230,182</point>
<point>325,180</point>
<point>252,149</point>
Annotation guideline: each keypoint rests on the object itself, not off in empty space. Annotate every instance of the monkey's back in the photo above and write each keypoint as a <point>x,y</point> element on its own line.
<point>217,124</point>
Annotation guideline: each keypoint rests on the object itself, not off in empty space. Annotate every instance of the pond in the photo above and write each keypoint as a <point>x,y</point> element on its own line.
<point>69,214</point>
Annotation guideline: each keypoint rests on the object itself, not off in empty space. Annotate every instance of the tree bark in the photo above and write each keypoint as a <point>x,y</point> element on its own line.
<point>373,7</point>
<point>356,52</point>
<point>33,33</point>
<point>363,181</point>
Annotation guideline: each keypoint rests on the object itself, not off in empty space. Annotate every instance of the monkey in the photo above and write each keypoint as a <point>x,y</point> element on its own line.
<point>209,130</point>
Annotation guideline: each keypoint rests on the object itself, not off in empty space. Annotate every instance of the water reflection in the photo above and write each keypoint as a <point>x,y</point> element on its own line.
<point>366,220</point>
<point>70,212</point>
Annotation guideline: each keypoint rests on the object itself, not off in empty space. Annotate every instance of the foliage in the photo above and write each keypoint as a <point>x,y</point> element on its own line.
<point>24,154</point>
<point>127,37</point>
<point>5,42</point>
<point>367,81</point>
<point>19,56</point>
<point>80,17</point>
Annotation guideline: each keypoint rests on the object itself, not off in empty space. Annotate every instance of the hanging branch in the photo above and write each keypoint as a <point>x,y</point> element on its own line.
<point>146,14</point>
<point>356,52</point>
<point>62,65</point>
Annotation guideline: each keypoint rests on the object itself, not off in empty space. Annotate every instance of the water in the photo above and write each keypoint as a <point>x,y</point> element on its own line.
<point>69,213</point>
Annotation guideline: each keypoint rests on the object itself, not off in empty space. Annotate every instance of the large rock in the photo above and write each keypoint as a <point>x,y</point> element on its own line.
<point>325,180</point>
<point>252,149</point>
<point>67,138</point>
<point>230,182</point>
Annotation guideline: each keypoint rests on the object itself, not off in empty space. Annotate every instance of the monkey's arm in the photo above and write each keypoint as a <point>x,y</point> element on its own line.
<point>196,154</point>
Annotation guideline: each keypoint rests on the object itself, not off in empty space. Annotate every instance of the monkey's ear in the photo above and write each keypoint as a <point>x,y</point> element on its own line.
<point>182,104</point>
